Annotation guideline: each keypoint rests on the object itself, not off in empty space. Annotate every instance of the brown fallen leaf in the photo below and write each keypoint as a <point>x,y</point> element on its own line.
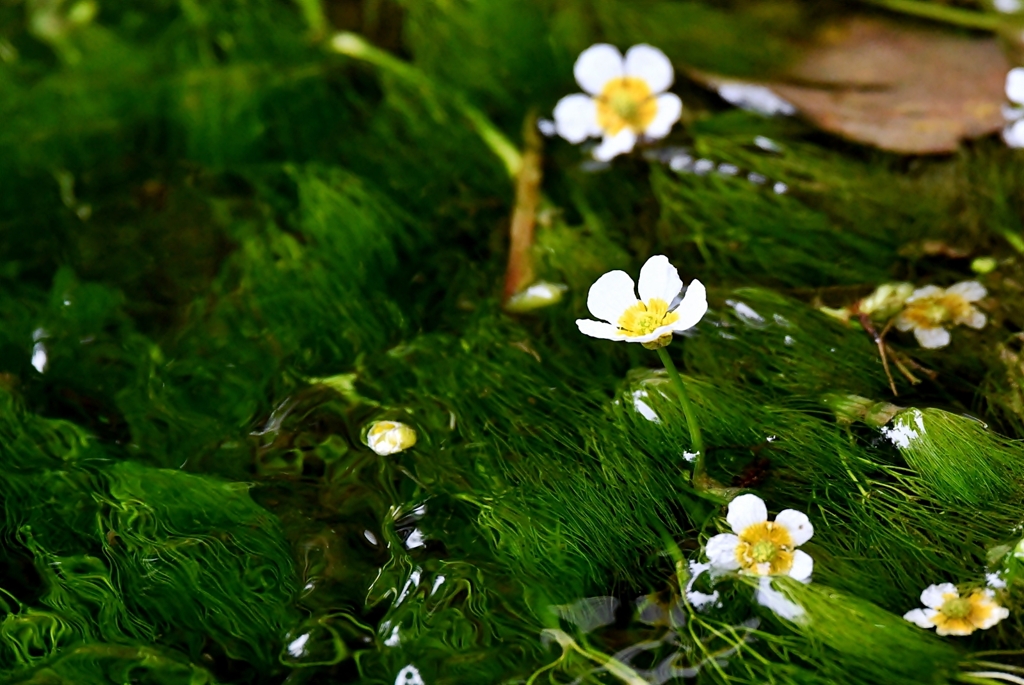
<point>907,90</point>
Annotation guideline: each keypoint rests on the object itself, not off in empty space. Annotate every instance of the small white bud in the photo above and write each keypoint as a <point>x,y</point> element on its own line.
<point>390,437</point>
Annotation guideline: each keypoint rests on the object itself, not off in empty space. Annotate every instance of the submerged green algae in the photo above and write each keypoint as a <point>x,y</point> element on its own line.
<point>226,250</point>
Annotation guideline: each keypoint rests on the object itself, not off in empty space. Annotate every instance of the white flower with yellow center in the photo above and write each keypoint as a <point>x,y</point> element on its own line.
<point>760,547</point>
<point>624,99</point>
<point>951,614</point>
<point>389,437</point>
<point>651,319</point>
<point>929,310</point>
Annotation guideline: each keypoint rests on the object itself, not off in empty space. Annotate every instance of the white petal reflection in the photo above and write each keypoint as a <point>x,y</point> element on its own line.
<point>298,646</point>
<point>643,408</point>
<point>746,312</point>
<point>589,613</point>
<point>700,600</point>
<point>410,675</point>
<point>415,539</point>
<point>755,98</point>
<point>39,359</point>
<point>781,606</point>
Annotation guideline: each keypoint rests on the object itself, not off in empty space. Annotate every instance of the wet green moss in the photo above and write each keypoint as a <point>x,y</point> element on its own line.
<point>224,249</point>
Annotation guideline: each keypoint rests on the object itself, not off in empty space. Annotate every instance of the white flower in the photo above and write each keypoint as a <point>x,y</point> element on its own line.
<point>761,547</point>
<point>623,99</point>
<point>389,437</point>
<point>650,318</point>
<point>951,614</point>
<point>930,309</point>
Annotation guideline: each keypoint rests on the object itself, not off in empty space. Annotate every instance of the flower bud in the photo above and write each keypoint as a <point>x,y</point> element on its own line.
<point>887,300</point>
<point>390,437</point>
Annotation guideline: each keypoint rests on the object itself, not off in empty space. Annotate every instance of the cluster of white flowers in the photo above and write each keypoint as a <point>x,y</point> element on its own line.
<point>928,312</point>
<point>763,548</point>
<point>624,101</point>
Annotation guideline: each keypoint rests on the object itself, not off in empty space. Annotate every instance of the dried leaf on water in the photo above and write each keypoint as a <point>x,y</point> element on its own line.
<point>907,90</point>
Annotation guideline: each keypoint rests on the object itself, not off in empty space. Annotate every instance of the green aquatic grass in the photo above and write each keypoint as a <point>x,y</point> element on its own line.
<point>225,247</point>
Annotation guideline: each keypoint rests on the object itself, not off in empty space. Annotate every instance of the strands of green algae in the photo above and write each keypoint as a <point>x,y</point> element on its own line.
<point>209,213</point>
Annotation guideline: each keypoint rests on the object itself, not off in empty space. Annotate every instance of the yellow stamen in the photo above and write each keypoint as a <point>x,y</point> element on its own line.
<point>646,317</point>
<point>626,102</point>
<point>930,312</point>
<point>963,615</point>
<point>765,549</point>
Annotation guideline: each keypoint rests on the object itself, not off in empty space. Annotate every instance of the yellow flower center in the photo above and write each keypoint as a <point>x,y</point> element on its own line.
<point>765,549</point>
<point>957,608</point>
<point>929,312</point>
<point>963,615</point>
<point>626,102</point>
<point>646,317</point>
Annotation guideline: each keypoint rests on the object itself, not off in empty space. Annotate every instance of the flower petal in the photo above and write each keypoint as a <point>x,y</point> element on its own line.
<point>611,295</point>
<point>960,627</point>
<point>597,65</point>
<point>658,278</point>
<point>1015,85</point>
<point>927,291</point>
<point>781,606</point>
<point>576,118</point>
<point>693,306</point>
<point>613,146</point>
<point>803,566</point>
<point>972,291</point>
<point>1013,135</point>
<point>934,596</point>
<point>973,318</point>
<point>997,614</point>
<point>599,329</point>
<point>721,551</point>
<point>650,64</point>
<point>904,323</point>
<point>797,523</point>
<point>745,511</point>
<point>670,108</point>
<point>921,617</point>
<point>932,338</point>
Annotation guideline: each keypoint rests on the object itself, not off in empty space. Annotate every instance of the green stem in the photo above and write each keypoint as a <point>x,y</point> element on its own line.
<point>948,15</point>
<point>696,441</point>
<point>1015,240</point>
<point>355,46</point>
